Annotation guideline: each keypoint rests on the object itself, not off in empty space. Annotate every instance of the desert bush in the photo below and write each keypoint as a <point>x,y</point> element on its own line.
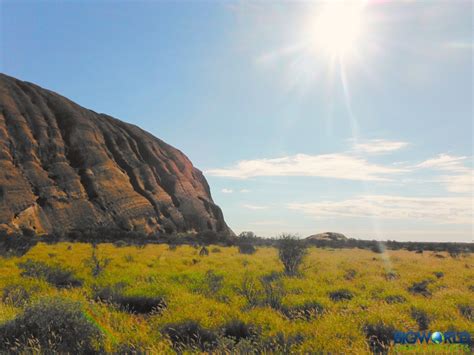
<point>467,311</point>
<point>378,337</point>
<point>238,330</point>
<point>306,311</point>
<point>377,247</point>
<point>273,290</point>
<point>129,258</point>
<point>216,250</point>
<point>421,318</point>
<point>16,295</point>
<point>246,248</point>
<point>391,299</point>
<point>391,275</point>
<point>341,295</point>
<point>281,343</point>
<point>141,304</point>
<point>172,247</point>
<point>53,274</point>
<point>438,274</point>
<point>420,288</point>
<point>249,290</point>
<point>213,283</point>
<point>96,263</point>
<point>52,325</point>
<point>291,252</point>
<point>204,251</point>
<point>16,244</point>
<point>471,288</point>
<point>190,334</point>
<point>350,274</point>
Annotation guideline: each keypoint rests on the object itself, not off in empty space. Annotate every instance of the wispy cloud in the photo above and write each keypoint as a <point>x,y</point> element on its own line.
<point>244,191</point>
<point>254,207</point>
<point>434,209</point>
<point>227,191</point>
<point>375,146</point>
<point>444,162</point>
<point>339,166</point>
<point>457,176</point>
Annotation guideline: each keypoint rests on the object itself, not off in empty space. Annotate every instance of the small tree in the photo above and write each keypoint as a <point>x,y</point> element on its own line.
<point>291,253</point>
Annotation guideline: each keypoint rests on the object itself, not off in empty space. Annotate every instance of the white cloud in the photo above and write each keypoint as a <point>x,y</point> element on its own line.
<point>227,191</point>
<point>254,207</point>
<point>338,166</point>
<point>244,191</point>
<point>444,162</point>
<point>434,209</point>
<point>458,177</point>
<point>379,146</point>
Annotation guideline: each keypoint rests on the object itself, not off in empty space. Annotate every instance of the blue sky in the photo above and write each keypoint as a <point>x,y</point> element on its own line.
<point>374,141</point>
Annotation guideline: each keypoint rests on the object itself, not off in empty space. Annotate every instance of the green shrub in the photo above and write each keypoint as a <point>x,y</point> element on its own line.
<point>341,295</point>
<point>391,299</point>
<point>281,344</point>
<point>291,252</point>
<point>249,290</point>
<point>140,304</point>
<point>306,311</point>
<point>238,330</point>
<point>246,248</point>
<point>420,288</point>
<point>96,263</point>
<point>467,311</point>
<point>212,283</point>
<point>421,318</point>
<point>350,274</point>
<point>53,274</point>
<point>379,336</point>
<point>51,325</point>
<point>16,295</point>
<point>190,334</point>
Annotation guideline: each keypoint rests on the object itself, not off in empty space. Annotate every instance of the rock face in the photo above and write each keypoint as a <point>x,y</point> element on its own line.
<point>327,236</point>
<point>64,167</point>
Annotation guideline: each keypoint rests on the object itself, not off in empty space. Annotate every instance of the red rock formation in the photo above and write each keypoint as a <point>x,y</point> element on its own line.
<point>65,167</point>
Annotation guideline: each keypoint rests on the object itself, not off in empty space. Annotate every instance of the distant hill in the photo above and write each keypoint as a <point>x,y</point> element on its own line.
<point>64,167</point>
<point>328,236</point>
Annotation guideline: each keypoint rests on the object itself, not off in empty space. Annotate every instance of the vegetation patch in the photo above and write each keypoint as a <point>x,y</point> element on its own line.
<point>379,336</point>
<point>190,335</point>
<point>141,304</point>
<point>51,325</point>
<point>341,295</point>
<point>392,299</point>
<point>305,311</point>
<point>291,252</point>
<point>53,274</point>
<point>16,295</point>
<point>238,330</point>
<point>420,288</point>
<point>467,311</point>
<point>421,318</point>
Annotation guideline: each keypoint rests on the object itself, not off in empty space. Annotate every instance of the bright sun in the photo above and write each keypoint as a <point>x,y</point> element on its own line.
<point>338,28</point>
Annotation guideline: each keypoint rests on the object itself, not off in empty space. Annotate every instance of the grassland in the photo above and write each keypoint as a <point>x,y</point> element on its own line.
<point>217,288</point>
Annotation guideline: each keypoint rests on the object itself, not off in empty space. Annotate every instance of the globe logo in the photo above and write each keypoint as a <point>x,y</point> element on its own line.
<point>437,337</point>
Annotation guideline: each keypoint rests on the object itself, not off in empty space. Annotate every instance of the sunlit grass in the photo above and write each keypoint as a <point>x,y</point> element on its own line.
<point>179,275</point>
